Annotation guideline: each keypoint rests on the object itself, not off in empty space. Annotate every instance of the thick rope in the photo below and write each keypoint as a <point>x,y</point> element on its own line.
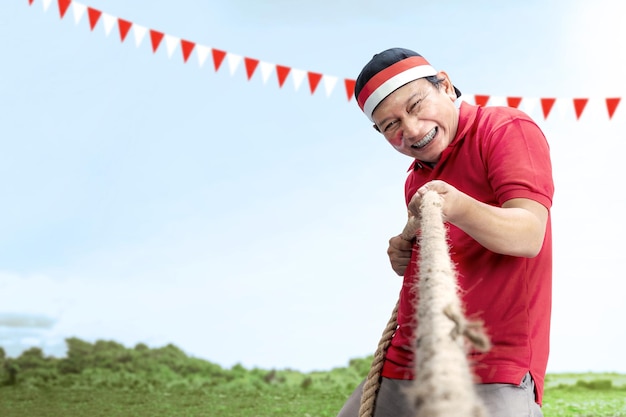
<point>372,383</point>
<point>443,386</point>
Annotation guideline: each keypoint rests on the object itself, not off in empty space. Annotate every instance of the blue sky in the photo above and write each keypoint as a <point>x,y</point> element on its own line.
<point>150,200</point>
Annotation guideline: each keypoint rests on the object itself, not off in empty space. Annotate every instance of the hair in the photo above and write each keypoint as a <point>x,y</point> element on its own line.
<point>435,81</point>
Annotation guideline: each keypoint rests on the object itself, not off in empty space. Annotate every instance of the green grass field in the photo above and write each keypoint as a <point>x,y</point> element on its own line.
<point>108,379</point>
<point>567,395</point>
<point>117,403</point>
<point>585,395</point>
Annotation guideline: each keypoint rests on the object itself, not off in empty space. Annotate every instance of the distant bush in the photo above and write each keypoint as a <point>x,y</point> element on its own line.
<point>596,384</point>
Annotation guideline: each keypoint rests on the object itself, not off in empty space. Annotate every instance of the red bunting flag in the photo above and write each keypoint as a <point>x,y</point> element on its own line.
<point>546,106</point>
<point>187,48</point>
<point>30,2</point>
<point>218,58</point>
<point>579,106</point>
<point>251,65</point>
<point>63,5</point>
<point>155,39</point>
<point>94,16</point>
<point>481,100</point>
<point>513,101</point>
<point>282,72</point>
<point>124,26</point>
<point>611,105</point>
<point>349,87</point>
<point>314,80</point>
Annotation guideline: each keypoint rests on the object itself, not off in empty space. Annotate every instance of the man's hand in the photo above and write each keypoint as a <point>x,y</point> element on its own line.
<point>399,254</point>
<point>454,201</point>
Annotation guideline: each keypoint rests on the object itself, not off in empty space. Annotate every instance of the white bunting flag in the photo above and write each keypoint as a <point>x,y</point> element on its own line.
<point>298,77</point>
<point>140,33</point>
<point>78,9</point>
<point>202,52</point>
<point>266,70</point>
<point>170,43</point>
<point>233,62</point>
<point>329,84</point>
<point>109,22</point>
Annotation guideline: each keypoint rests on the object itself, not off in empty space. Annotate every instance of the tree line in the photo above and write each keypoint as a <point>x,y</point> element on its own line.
<point>110,364</point>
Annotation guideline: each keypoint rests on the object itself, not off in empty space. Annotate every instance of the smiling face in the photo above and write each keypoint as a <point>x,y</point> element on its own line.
<point>418,119</point>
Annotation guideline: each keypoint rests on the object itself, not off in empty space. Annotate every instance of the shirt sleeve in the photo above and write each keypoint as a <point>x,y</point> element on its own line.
<point>518,162</point>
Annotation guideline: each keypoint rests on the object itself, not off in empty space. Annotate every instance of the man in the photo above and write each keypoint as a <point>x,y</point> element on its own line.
<point>492,167</point>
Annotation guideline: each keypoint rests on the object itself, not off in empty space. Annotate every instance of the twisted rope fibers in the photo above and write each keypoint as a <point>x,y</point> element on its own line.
<point>443,386</point>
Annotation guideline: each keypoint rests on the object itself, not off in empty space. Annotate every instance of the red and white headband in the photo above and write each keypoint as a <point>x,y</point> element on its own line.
<point>389,78</point>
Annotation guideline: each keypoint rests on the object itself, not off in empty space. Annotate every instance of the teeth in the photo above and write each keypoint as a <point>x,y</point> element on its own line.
<point>426,139</point>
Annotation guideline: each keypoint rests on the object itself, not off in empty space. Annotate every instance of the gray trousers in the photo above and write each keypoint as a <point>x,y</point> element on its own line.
<point>501,400</point>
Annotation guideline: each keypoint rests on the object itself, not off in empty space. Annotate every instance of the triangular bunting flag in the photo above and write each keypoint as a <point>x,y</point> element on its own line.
<point>497,101</point>
<point>109,22</point>
<point>202,52</point>
<point>140,33</point>
<point>579,106</point>
<point>562,107</point>
<point>481,100</point>
<point>251,65</point>
<point>233,62</point>
<point>329,84</point>
<point>78,9</point>
<point>297,76</point>
<point>187,48</point>
<point>314,80</point>
<point>94,16</point>
<point>282,72</point>
<point>155,39</point>
<point>266,70</point>
<point>349,83</point>
<point>63,5</point>
<point>513,101</point>
<point>124,26</point>
<point>546,106</point>
<point>549,105</point>
<point>218,58</point>
<point>529,104</point>
<point>170,44</point>
<point>611,105</point>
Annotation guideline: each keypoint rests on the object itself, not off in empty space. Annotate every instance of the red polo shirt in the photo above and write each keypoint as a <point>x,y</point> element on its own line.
<point>498,154</point>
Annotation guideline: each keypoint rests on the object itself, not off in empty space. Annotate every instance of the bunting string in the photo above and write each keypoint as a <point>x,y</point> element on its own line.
<point>126,28</point>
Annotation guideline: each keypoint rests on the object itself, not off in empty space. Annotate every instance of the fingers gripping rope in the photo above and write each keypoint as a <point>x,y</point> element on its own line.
<point>411,228</point>
<point>443,386</point>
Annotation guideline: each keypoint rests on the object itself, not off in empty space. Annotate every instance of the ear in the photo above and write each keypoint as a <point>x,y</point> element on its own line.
<point>447,84</point>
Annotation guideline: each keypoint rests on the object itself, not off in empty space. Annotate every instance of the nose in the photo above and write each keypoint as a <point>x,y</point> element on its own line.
<point>411,130</point>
